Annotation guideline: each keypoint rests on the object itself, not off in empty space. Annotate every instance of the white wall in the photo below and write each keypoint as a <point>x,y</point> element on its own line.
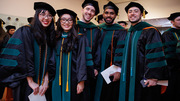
<point>24,8</point>
<point>155,8</point>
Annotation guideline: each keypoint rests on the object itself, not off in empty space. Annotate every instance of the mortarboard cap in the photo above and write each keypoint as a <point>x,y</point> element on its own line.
<point>43,5</point>
<point>173,16</point>
<point>112,6</point>
<point>99,17</point>
<point>122,22</point>
<point>92,3</point>
<point>134,4</point>
<point>8,27</point>
<point>66,11</point>
<point>29,19</point>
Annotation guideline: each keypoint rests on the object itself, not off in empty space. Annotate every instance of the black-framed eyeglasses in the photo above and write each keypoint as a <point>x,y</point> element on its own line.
<point>63,20</point>
<point>43,14</point>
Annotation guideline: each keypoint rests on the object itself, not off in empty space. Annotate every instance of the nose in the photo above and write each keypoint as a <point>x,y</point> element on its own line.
<point>89,11</point>
<point>45,17</point>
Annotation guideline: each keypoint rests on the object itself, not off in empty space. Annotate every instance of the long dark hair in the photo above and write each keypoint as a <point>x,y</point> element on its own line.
<point>43,35</point>
<point>72,35</point>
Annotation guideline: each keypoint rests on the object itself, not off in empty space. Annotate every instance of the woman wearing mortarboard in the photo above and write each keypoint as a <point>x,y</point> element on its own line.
<point>27,62</point>
<point>71,71</point>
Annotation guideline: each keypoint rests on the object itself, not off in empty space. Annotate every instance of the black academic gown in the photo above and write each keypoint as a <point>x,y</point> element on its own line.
<point>77,72</point>
<point>4,37</point>
<point>170,39</point>
<point>93,34</point>
<point>143,59</point>
<point>112,39</point>
<point>21,58</point>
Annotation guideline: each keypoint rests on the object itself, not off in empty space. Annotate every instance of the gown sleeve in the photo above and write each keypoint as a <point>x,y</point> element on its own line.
<point>118,55</point>
<point>51,66</point>
<point>96,51</point>
<point>154,54</point>
<point>81,59</point>
<point>16,62</point>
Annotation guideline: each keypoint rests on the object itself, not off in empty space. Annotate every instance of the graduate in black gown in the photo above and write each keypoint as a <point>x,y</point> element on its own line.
<point>112,43</point>
<point>100,19</point>
<point>90,8</point>
<point>10,29</point>
<point>27,64</point>
<point>122,23</point>
<point>4,37</point>
<point>143,59</point>
<point>170,39</point>
<point>71,69</point>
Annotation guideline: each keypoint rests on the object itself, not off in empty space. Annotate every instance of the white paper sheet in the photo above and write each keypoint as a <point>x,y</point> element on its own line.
<point>107,72</point>
<point>37,97</point>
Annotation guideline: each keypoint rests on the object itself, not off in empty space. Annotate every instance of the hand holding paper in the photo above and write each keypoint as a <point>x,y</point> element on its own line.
<point>37,97</point>
<point>110,71</point>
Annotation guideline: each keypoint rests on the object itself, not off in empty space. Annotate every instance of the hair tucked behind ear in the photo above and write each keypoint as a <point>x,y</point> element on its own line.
<point>71,38</point>
<point>43,35</point>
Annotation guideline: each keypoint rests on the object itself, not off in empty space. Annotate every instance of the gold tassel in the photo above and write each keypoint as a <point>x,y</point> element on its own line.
<point>2,24</point>
<point>96,17</point>
<point>118,16</point>
<point>60,62</point>
<point>59,80</point>
<point>67,88</point>
<point>144,14</point>
<point>76,20</point>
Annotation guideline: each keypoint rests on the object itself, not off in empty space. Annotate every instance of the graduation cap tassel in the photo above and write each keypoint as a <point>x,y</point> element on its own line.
<point>76,20</point>
<point>118,16</point>
<point>2,24</point>
<point>60,62</point>
<point>143,13</point>
<point>96,18</point>
<point>67,88</point>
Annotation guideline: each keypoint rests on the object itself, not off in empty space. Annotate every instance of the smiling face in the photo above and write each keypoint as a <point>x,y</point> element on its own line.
<point>66,22</point>
<point>109,16</point>
<point>88,13</point>
<point>134,15</point>
<point>45,18</point>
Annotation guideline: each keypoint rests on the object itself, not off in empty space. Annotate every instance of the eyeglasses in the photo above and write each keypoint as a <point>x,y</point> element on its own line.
<point>63,20</point>
<point>43,14</point>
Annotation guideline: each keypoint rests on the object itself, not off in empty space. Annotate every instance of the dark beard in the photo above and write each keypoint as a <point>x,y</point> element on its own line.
<point>134,21</point>
<point>108,21</point>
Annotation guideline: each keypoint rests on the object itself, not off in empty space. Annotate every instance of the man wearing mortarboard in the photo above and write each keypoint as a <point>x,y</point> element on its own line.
<point>100,19</point>
<point>171,41</point>
<point>90,8</point>
<point>10,29</point>
<point>143,60</point>
<point>122,23</point>
<point>30,20</point>
<point>112,43</point>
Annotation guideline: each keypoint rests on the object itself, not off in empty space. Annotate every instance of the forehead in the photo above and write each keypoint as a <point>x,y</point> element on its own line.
<point>45,11</point>
<point>109,10</point>
<point>66,16</point>
<point>133,8</point>
<point>90,7</point>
